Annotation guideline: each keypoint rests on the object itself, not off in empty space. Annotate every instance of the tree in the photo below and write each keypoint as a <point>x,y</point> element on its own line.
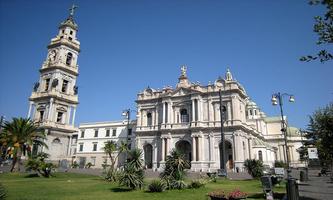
<point>113,151</point>
<point>254,167</point>
<point>174,171</point>
<point>20,135</point>
<point>321,130</point>
<point>38,164</point>
<point>133,174</point>
<point>324,28</point>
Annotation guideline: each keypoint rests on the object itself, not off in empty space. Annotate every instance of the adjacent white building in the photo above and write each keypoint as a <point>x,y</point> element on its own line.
<point>92,137</point>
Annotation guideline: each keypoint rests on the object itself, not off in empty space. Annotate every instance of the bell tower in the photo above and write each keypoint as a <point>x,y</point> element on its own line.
<point>54,98</point>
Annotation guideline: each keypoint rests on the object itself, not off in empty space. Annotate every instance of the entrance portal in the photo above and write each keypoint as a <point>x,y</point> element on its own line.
<point>228,155</point>
<point>184,147</point>
<point>148,152</point>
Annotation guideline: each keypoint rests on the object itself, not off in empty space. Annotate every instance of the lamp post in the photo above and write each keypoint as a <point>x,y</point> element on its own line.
<point>277,99</point>
<point>127,114</point>
<point>223,171</point>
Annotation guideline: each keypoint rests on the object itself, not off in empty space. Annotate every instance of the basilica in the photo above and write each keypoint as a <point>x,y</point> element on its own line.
<point>186,117</point>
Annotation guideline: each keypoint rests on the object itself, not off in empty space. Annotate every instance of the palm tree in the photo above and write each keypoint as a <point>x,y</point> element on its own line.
<point>133,174</point>
<point>20,135</point>
<point>113,151</point>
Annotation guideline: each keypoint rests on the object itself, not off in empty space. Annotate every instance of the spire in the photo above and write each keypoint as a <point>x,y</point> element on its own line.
<point>70,20</point>
<point>228,75</point>
<point>183,69</point>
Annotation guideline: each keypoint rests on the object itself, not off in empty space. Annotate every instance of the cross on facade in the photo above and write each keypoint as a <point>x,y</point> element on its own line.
<point>72,10</point>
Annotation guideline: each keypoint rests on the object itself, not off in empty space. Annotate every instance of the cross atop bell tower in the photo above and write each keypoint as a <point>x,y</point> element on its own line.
<point>54,98</point>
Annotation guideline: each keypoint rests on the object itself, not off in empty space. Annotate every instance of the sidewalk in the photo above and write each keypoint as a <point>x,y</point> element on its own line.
<point>317,188</point>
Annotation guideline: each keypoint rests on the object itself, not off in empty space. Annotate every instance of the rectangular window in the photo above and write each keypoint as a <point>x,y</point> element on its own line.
<point>96,133</point>
<point>59,117</point>
<point>81,147</point>
<point>71,32</point>
<point>47,84</point>
<point>107,134</point>
<point>129,131</point>
<point>82,134</point>
<point>114,132</point>
<point>41,115</point>
<point>64,86</point>
<point>94,146</point>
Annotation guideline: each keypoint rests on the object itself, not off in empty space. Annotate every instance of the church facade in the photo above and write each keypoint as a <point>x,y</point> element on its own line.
<point>187,118</point>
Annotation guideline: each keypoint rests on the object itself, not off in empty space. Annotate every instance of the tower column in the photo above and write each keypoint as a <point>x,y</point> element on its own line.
<point>30,106</point>
<point>74,111</point>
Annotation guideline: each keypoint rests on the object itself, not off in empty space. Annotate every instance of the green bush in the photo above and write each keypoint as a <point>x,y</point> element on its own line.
<point>177,184</point>
<point>88,165</point>
<point>39,165</point>
<point>75,165</point>
<point>156,186</point>
<point>3,192</point>
<point>254,167</point>
<point>133,174</point>
<point>197,184</point>
<point>280,163</point>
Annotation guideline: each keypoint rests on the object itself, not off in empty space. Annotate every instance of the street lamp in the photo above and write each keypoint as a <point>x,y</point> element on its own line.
<point>127,114</point>
<point>223,109</point>
<point>277,99</point>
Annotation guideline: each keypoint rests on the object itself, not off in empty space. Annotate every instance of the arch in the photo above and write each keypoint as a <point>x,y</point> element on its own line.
<point>228,155</point>
<point>148,155</point>
<point>185,148</point>
<point>184,116</point>
<point>149,119</point>
<point>69,57</point>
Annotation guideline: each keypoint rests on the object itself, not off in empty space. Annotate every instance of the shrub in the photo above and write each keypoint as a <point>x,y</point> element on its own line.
<point>254,167</point>
<point>174,173</point>
<point>3,192</point>
<point>156,186</point>
<point>280,163</point>
<point>177,184</point>
<point>88,165</point>
<point>75,165</point>
<point>39,165</point>
<point>133,174</point>
<point>197,184</point>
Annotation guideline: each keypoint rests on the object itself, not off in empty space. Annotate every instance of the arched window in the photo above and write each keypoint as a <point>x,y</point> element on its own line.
<point>149,119</point>
<point>69,58</point>
<point>184,116</point>
<point>260,155</point>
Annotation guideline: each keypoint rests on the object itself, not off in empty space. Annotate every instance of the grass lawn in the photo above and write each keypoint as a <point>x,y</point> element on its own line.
<point>69,186</point>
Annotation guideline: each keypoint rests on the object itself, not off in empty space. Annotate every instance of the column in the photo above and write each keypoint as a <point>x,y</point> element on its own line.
<point>250,147</point>
<point>163,117</point>
<point>68,114</point>
<point>163,149</point>
<point>156,114</point>
<point>29,112</point>
<point>69,145</point>
<point>74,111</point>
<point>193,111</point>
<point>50,114</point>
<point>202,147</point>
<point>229,112</point>
<point>168,140</point>
<point>170,113</point>
<point>200,113</point>
<point>194,153</point>
<point>155,156</point>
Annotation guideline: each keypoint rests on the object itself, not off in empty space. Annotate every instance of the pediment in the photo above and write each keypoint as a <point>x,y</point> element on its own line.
<point>183,92</point>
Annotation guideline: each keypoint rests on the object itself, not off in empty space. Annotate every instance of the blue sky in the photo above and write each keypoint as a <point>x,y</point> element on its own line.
<point>128,45</point>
